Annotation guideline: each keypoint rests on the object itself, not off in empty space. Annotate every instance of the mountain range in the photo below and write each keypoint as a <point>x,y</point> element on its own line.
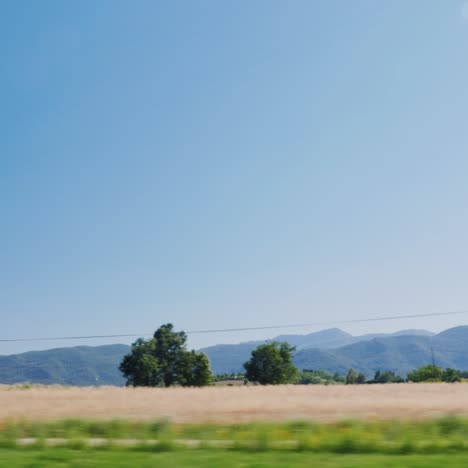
<point>229,358</point>
<point>333,350</point>
<point>81,365</point>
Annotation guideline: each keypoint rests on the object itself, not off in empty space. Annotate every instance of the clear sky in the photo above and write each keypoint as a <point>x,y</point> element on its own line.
<point>225,164</point>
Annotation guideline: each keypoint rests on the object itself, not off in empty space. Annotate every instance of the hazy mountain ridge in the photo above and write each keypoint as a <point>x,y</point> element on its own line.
<point>81,365</point>
<point>400,352</point>
<point>229,358</point>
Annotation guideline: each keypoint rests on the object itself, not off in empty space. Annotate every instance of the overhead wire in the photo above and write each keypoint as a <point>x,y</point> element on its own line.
<point>226,330</point>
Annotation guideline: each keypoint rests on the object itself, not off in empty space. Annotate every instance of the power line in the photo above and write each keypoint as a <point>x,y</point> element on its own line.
<point>337,322</point>
<point>224,330</point>
<point>58,338</point>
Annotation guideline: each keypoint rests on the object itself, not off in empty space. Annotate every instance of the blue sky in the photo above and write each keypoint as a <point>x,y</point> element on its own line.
<point>231,164</point>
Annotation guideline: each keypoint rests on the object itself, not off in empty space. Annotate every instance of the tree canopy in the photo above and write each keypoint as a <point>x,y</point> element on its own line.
<point>271,364</point>
<point>432,373</point>
<point>386,377</point>
<point>164,361</point>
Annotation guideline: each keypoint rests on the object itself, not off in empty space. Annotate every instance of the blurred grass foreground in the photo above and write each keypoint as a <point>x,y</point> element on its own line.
<point>444,435</point>
<point>75,443</point>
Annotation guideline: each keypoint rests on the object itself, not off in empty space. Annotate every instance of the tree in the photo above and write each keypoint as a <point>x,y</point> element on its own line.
<point>429,373</point>
<point>271,364</point>
<point>351,377</point>
<point>451,375</point>
<point>386,377</point>
<point>319,376</point>
<point>164,361</point>
<point>361,378</point>
<point>309,378</point>
<point>195,370</point>
<point>141,367</point>
<point>432,373</point>
<point>169,350</point>
<point>339,378</point>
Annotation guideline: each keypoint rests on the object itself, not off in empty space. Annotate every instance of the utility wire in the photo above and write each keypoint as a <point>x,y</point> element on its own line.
<point>224,330</point>
<point>337,322</point>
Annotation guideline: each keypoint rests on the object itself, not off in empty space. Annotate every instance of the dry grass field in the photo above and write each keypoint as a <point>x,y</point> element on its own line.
<point>236,404</point>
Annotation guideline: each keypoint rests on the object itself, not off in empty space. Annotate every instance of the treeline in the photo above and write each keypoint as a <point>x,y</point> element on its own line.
<point>319,377</point>
<point>429,373</point>
<point>227,376</point>
<point>165,361</point>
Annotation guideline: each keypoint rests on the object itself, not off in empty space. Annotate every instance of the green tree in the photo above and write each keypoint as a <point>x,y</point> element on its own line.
<point>339,378</point>
<point>429,373</point>
<point>164,361</point>
<point>271,364</point>
<point>319,376</point>
<point>386,377</point>
<point>141,367</point>
<point>361,378</point>
<point>194,370</point>
<point>309,378</point>
<point>170,351</point>
<point>351,377</point>
<point>451,375</point>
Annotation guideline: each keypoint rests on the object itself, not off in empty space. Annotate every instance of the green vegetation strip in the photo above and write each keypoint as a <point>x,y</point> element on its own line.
<point>449,434</point>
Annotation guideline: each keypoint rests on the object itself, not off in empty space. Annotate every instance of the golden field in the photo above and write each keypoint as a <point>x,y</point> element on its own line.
<point>236,404</point>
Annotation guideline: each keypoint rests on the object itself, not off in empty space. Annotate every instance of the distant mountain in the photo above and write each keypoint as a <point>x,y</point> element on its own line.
<point>413,332</point>
<point>229,358</point>
<point>401,354</point>
<point>332,350</point>
<point>324,339</point>
<point>82,365</point>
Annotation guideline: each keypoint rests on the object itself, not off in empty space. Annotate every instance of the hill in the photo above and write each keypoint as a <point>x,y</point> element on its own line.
<point>82,365</point>
<point>229,358</point>
<point>401,354</point>
<point>332,350</point>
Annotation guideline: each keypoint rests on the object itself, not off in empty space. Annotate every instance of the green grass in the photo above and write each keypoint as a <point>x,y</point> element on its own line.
<point>441,442</point>
<point>445,435</point>
<point>215,458</point>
